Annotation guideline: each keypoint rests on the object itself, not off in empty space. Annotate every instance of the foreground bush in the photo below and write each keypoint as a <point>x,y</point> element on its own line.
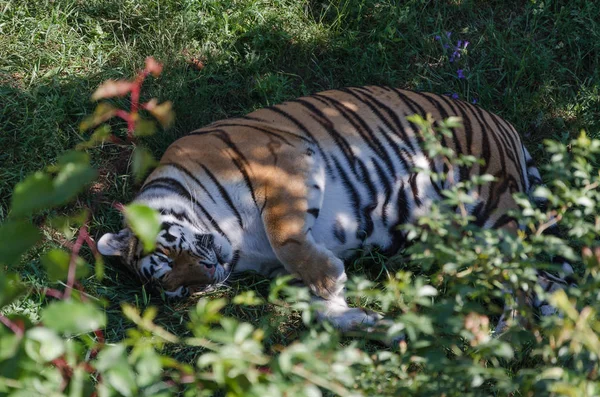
<point>444,294</point>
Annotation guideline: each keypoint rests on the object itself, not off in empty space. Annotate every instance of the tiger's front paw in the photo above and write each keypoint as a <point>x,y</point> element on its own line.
<point>351,319</point>
<point>337,313</point>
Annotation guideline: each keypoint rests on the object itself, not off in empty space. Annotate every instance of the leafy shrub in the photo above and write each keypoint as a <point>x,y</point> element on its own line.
<point>445,299</point>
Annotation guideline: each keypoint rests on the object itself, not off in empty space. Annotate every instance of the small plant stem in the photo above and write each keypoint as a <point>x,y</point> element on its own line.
<point>553,221</point>
<point>135,103</point>
<point>54,293</point>
<point>81,238</point>
<point>11,325</point>
<point>317,380</point>
<point>124,115</point>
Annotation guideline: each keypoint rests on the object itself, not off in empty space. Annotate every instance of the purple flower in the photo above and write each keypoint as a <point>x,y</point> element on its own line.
<point>448,34</point>
<point>460,74</point>
<point>454,95</point>
<point>446,46</point>
<point>460,46</point>
<point>438,38</point>
<point>474,101</point>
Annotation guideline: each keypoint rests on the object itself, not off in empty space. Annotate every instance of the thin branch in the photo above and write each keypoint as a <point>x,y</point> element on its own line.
<point>83,234</point>
<point>553,221</point>
<point>319,381</point>
<point>11,325</point>
<point>54,293</point>
<point>129,118</point>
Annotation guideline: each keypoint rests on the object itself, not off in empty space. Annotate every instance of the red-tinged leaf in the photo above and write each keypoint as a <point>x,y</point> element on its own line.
<point>153,67</point>
<point>151,104</point>
<point>163,112</point>
<point>112,88</point>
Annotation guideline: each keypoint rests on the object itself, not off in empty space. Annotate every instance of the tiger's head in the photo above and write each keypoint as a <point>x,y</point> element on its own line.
<point>184,259</point>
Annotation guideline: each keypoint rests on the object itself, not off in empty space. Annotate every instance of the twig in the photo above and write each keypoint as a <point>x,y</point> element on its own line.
<point>11,325</point>
<point>136,87</point>
<point>127,117</point>
<point>317,380</point>
<point>54,293</point>
<point>81,238</point>
<point>553,221</point>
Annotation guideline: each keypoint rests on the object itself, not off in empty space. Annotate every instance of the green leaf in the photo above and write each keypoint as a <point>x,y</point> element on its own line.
<point>144,127</point>
<point>40,191</point>
<point>56,262</point>
<point>585,202</point>
<point>149,367</point>
<point>9,348</point>
<point>71,317</point>
<point>68,225</point>
<point>144,222</point>
<point>207,311</point>
<point>98,137</point>
<point>248,298</point>
<point>112,362</point>
<point>34,193</point>
<point>43,344</point>
<point>142,162</point>
<point>10,288</point>
<point>504,350</point>
<point>71,180</point>
<point>16,237</point>
<point>122,379</point>
<point>111,355</point>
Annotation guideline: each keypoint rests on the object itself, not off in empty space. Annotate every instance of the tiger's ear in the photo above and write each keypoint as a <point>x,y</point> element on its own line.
<point>114,244</point>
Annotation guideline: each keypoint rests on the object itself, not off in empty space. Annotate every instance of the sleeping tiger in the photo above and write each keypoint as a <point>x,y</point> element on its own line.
<point>298,187</point>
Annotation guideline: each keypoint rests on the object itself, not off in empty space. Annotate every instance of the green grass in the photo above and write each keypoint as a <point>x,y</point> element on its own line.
<point>537,64</point>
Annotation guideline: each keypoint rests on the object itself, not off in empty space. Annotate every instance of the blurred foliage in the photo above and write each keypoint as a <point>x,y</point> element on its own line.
<point>444,310</point>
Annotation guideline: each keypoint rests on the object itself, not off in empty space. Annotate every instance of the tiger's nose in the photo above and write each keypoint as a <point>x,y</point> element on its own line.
<point>210,269</point>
